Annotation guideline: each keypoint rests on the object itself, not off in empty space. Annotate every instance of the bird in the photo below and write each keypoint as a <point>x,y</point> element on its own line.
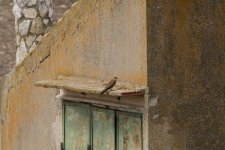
<point>109,86</point>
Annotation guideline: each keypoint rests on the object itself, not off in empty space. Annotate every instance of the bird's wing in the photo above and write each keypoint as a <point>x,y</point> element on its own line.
<point>109,86</point>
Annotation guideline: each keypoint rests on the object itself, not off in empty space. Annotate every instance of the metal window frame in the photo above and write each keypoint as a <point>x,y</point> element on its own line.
<point>91,106</point>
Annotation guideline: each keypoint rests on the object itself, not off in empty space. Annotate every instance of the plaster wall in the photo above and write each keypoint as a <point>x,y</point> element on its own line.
<point>95,39</point>
<point>2,81</point>
<point>186,70</point>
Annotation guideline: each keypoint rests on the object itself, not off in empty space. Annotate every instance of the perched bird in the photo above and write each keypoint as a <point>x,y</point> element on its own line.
<point>110,85</point>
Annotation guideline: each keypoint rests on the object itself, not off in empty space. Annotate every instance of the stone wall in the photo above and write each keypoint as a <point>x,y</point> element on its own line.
<point>32,19</point>
<point>7,28</point>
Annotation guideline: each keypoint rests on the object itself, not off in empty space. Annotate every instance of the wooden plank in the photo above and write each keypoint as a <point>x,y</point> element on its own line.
<point>76,126</point>
<point>103,129</point>
<point>129,131</point>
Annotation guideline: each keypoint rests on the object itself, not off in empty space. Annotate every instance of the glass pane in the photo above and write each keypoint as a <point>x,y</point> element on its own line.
<point>129,131</point>
<point>77,127</point>
<point>103,129</point>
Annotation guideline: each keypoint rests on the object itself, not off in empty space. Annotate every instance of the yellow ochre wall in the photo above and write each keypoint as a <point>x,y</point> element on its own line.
<point>95,39</point>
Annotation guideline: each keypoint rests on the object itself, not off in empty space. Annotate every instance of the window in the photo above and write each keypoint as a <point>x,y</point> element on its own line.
<point>92,128</point>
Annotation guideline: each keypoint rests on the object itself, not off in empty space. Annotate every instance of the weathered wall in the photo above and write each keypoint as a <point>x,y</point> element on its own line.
<point>2,83</point>
<point>97,39</point>
<point>186,70</point>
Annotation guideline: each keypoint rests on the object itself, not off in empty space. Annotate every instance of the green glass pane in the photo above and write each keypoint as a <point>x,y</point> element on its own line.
<point>129,132</point>
<point>103,129</point>
<point>77,127</point>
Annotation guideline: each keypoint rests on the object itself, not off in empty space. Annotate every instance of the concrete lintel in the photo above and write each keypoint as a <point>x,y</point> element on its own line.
<point>91,86</point>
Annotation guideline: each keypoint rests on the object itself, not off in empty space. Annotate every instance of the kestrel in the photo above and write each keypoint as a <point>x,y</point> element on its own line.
<point>109,86</point>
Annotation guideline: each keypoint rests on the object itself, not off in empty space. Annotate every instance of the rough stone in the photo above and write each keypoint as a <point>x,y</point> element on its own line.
<point>43,10</point>
<point>30,40</point>
<point>32,20</point>
<point>18,39</point>
<point>17,11</point>
<point>21,52</point>
<point>16,26</point>
<point>39,38</point>
<point>31,2</point>
<point>37,26</point>
<point>22,3</point>
<point>33,46</point>
<point>48,2</point>
<point>24,27</point>
<point>23,45</point>
<point>47,30</point>
<point>30,13</point>
<point>46,21</point>
<point>50,13</point>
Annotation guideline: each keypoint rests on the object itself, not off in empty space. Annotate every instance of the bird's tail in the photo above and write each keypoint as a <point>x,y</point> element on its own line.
<point>103,91</point>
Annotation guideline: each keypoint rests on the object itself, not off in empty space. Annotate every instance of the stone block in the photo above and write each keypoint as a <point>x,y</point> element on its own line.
<point>21,52</point>
<point>43,10</point>
<point>46,21</point>
<point>30,13</point>
<point>17,11</point>
<point>30,40</point>
<point>18,39</point>
<point>33,46</point>
<point>22,3</point>
<point>39,38</point>
<point>50,13</point>
<point>24,27</point>
<point>37,26</point>
<point>32,2</point>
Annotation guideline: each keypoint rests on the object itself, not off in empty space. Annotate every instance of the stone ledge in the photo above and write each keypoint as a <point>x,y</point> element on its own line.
<point>85,85</point>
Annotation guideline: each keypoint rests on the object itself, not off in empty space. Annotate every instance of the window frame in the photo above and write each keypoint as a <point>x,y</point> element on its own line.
<point>92,106</point>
